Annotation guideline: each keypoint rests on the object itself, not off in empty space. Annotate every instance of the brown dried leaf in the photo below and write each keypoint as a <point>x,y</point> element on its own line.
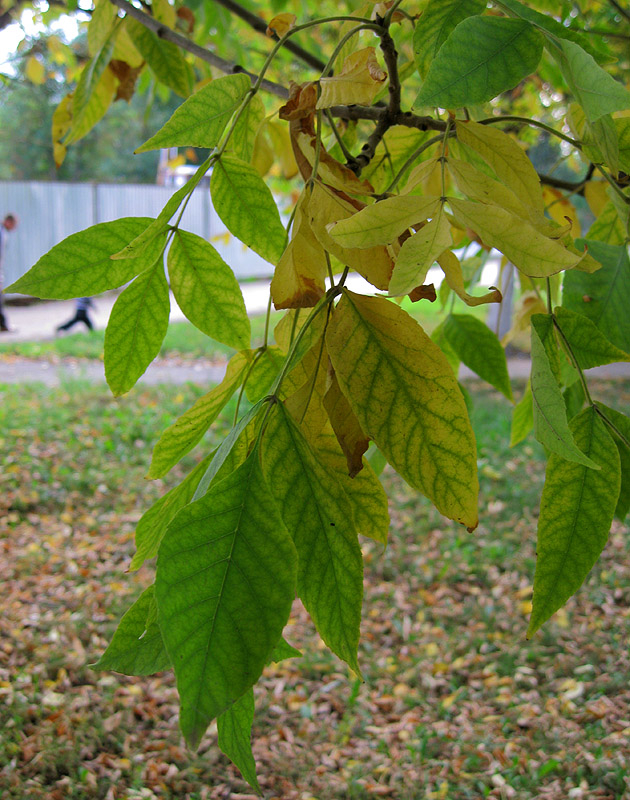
<point>127,77</point>
<point>346,426</point>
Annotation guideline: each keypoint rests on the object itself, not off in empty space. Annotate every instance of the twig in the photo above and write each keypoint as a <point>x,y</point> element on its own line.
<point>169,35</point>
<point>260,26</point>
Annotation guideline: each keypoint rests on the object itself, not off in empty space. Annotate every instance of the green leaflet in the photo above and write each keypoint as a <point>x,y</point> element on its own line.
<point>81,264</point>
<point>481,58</point>
<point>529,250</point>
<point>207,291</point>
<point>225,582</point>
<point>604,132</point>
<point>589,345</point>
<point>608,227</point>
<point>243,201</point>
<point>234,728</point>
<point>315,510</point>
<point>522,417</point>
<point>595,90</point>
<point>551,426</point>
<point>137,327</point>
<point>100,25</point>
<point>84,112</point>
<point>159,225</point>
<point>414,411</point>
<point>241,142</point>
<point>438,20</point>
<point>383,222</point>
<point>602,296</point>
<point>438,335</point>
<point>227,454</point>
<point>576,511</point>
<point>622,424</point>
<point>153,523</point>
<point>419,252</point>
<point>186,432</point>
<point>364,492</point>
<point>589,43</point>
<point>136,647</point>
<point>201,119</point>
<point>574,398</point>
<point>478,347</point>
<point>164,58</point>
<point>264,372</point>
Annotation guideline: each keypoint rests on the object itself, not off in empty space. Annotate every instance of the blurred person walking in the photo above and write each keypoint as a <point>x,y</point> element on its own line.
<point>82,304</point>
<point>9,223</point>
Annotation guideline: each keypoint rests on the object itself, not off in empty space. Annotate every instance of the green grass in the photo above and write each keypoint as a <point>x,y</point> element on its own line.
<point>455,700</point>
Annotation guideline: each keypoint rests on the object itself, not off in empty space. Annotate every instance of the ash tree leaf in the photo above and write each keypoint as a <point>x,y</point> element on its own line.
<point>551,426</point>
<point>481,58</point>
<point>364,492</point>
<point>595,89</point>
<point>522,417</point>
<point>358,81</point>
<point>315,510</point>
<point>346,426</point>
<point>87,87</point>
<point>186,432</point>
<point>234,729</point>
<point>480,350</point>
<point>602,296</point>
<point>201,119</point>
<point>589,345</point>
<point>576,511</point>
<point>621,424</point>
<point>243,138</point>
<point>383,222</point>
<point>529,250</point>
<point>137,327</point>
<point>164,58</point>
<point>507,160</point>
<point>263,373</point>
<point>243,201</point>
<point>574,398</point>
<point>225,582</point>
<point>137,647</point>
<point>419,252</point>
<point>154,522</point>
<point>159,225</point>
<point>81,265</point>
<point>438,20</point>
<point>207,291</point>
<point>284,650</point>
<point>608,227</point>
<point>405,396</point>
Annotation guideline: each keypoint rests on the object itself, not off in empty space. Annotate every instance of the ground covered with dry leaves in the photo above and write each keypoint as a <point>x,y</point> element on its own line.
<point>456,703</point>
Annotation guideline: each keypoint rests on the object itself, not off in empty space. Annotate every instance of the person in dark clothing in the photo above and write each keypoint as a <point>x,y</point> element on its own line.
<point>80,315</point>
<point>7,224</point>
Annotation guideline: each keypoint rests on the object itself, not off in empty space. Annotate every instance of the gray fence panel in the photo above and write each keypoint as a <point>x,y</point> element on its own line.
<point>50,211</point>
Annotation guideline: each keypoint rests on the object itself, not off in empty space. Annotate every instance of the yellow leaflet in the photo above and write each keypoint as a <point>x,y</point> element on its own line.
<point>527,248</point>
<point>596,195</point>
<point>100,100</point>
<point>326,206</point>
<point>124,48</point>
<point>305,404</point>
<point>382,223</point>
<point>164,11</point>
<point>527,305</point>
<point>454,277</point>
<point>61,122</point>
<point>35,70</point>
<point>358,81</point>
<point>262,154</point>
<point>298,280</point>
<point>350,436</point>
<point>405,396</point>
<point>419,252</point>
<point>281,142</point>
<point>329,170</point>
<point>292,323</point>
<point>479,186</point>
<point>427,176</point>
<point>561,210</point>
<point>509,162</point>
<point>281,24</point>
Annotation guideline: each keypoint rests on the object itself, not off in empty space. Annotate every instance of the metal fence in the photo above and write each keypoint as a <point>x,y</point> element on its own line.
<point>50,211</point>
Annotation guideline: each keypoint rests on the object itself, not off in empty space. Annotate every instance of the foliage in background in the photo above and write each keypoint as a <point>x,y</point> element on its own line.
<point>409,144</point>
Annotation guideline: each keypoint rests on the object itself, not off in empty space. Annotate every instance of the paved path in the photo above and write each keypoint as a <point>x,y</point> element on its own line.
<point>37,322</point>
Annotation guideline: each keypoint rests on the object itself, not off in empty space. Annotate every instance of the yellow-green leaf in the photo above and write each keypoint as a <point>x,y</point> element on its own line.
<point>419,252</point>
<point>358,81</point>
<point>404,394</point>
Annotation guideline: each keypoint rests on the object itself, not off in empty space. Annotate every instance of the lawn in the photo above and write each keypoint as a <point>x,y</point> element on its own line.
<point>456,703</point>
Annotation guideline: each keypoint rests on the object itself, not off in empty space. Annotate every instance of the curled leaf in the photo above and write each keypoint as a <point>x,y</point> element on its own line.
<point>358,82</point>
<point>281,24</point>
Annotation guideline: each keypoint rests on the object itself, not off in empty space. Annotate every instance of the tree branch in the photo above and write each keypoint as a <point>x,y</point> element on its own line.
<point>169,35</point>
<point>260,26</point>
<point>620,9</point>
